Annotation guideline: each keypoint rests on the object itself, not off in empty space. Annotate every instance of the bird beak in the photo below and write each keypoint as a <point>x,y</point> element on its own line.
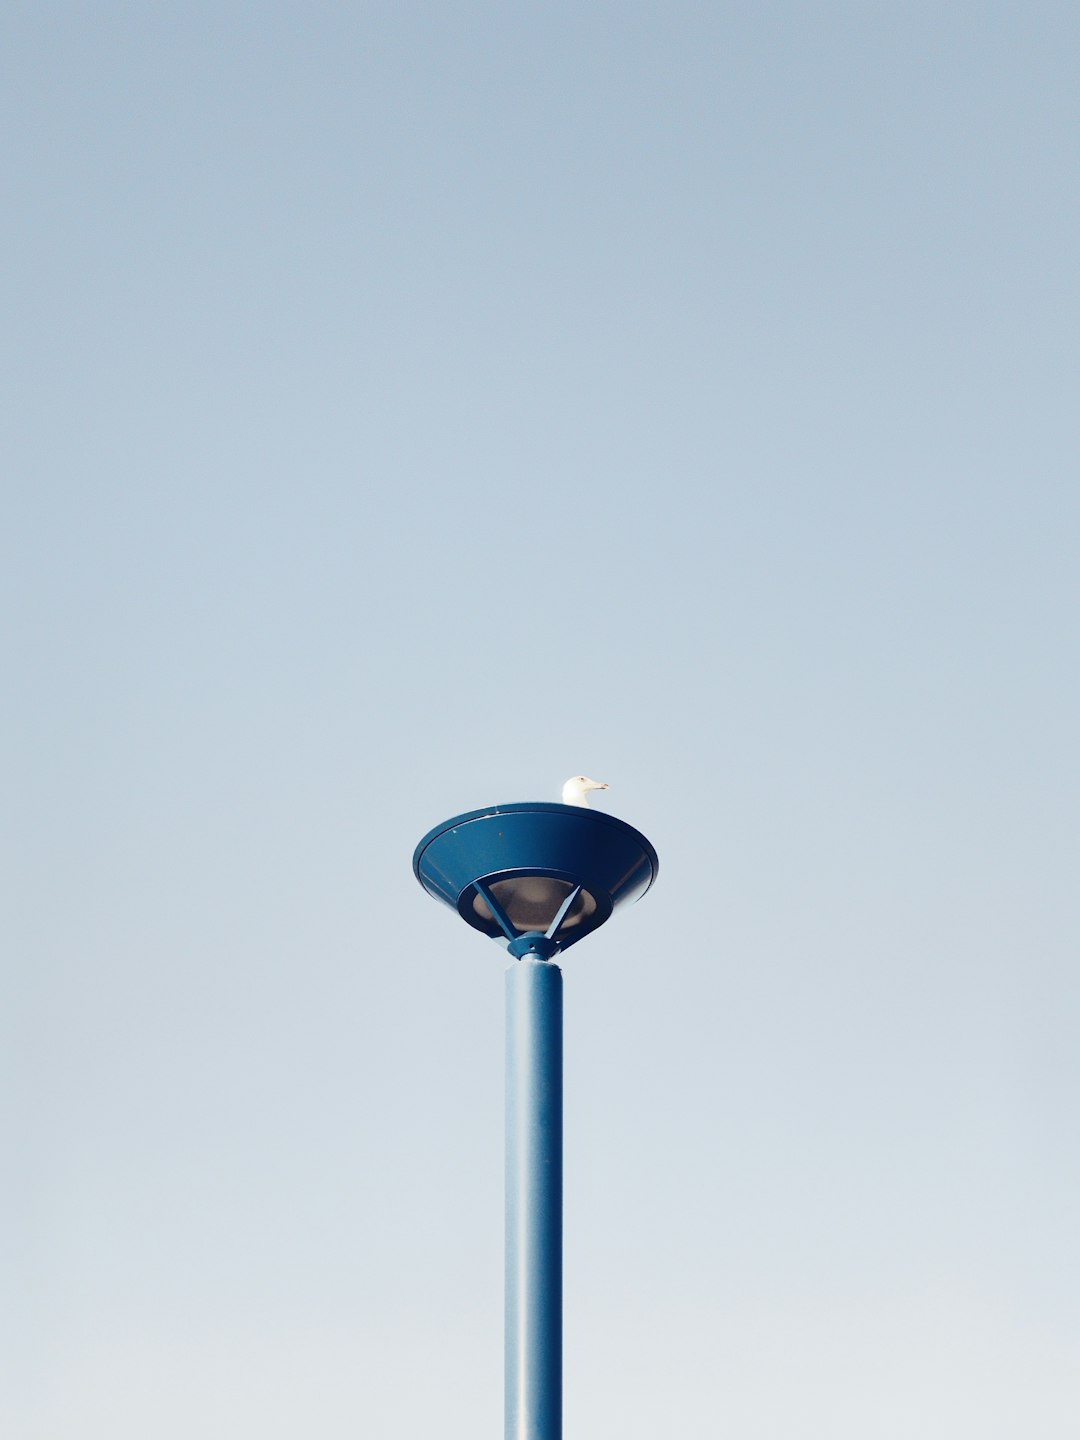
<point>600,785</point>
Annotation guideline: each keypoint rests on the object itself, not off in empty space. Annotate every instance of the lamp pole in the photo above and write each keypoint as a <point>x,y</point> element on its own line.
<point>538,878</point>
<point>533,1358</point>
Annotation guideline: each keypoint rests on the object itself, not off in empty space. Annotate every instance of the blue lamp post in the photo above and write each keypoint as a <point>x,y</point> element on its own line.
<point>537,878</point>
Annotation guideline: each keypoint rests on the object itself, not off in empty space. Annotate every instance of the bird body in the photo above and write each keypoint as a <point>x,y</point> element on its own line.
<point>577,788</point>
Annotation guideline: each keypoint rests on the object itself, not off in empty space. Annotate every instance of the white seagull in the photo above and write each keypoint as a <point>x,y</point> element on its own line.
<point>576,790</point>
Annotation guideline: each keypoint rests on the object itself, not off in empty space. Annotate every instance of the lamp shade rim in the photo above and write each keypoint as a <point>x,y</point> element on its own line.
<point>544,806</point>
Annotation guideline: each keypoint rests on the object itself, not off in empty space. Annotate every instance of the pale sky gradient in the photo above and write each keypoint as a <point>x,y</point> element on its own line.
<point>408,406</point>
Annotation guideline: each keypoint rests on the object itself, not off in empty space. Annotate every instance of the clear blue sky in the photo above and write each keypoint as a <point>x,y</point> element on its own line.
<point>408,406</point>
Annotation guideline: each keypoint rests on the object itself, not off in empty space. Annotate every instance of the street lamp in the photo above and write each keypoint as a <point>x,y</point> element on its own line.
<point>537,878</point>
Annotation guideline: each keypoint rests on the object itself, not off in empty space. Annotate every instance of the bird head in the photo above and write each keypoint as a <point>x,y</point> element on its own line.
<point>576,790</point>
